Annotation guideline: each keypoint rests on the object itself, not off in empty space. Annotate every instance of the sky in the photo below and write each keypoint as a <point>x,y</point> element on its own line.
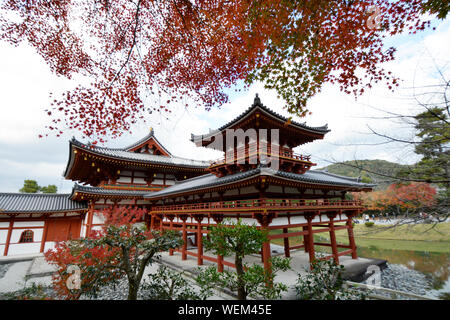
<point>25,84</point>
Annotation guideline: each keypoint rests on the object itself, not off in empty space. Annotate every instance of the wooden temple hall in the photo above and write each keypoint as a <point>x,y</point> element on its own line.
<point>259,180</point>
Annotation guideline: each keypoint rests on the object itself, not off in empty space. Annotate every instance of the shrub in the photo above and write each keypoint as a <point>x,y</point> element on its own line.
<point>167,284</point>
<point>369,224</point>
<point>325,282</point>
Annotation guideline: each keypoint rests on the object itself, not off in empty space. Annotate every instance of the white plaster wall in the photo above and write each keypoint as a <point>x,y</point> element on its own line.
<point>23,248</point>
<point>158,181</point>
<point>4,224</point>
<point>18,224</point>
<point>139,180</point>
<point>124,179</point>
<point>49,245</point>
<point>2,249</point>
<point>37,234</point>
<point>298,220</point>
<point>96,219</point>
<point>3,236</point>
<point>280,221</point>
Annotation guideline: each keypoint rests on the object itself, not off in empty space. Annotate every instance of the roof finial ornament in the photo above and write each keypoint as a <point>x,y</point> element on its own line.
<point>257,101</point>
<point>151,130</point>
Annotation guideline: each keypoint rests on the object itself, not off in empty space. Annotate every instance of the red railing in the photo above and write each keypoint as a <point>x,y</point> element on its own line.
<point>286,153</point>
<point>260,204</point>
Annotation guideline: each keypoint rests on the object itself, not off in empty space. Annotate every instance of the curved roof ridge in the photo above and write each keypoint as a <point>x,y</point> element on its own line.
<point>356,179</point>
<point>123,154</point>
<point>149,136</point>
<point>34,193</point>
<point>257,104</point>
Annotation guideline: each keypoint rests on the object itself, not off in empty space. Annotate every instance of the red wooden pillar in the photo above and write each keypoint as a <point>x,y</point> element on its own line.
<point>218,219</point>
<point>311,251</point>
<point>287,252</point>
<point>184,249</point>
<point>305,238</point>
<point>152,221</point>
<point>264,220</point>
<point>8,237</point>
<point>44,235</point>
<point>351,239</point>
<point>333,237</point>
<point>199,219</point>
<point>161,223</point>
<point>171,217</point>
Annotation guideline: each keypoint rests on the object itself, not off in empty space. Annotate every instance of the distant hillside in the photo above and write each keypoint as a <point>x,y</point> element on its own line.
<point>351,169</point>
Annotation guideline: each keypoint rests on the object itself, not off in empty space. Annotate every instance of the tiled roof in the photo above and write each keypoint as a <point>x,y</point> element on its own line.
<point>210,180</point>
<point>105,191</point>
<point>119,153</point>
<point>258,105</point>
<point>38,202</point>
<point>144,139</point>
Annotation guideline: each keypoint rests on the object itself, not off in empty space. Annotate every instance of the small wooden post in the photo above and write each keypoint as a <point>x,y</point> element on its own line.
<point>184,249</point>
<point>44,235</point>
<point>351,238</point>
<point>333,238</point>
<point>287,252</point>
<point>305,238</point>
<point>199,219</point>
<point>8,237</point>
<point>312,255</point>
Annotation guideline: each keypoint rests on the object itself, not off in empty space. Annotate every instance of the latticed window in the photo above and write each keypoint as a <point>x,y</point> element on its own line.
<point>26,236</point>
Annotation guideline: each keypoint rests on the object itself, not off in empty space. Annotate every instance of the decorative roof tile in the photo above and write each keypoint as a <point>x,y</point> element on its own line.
<point>120,153</point>
<point>210,180</point>
<point>258,105</point>
<point>38,202</point>
<point>105,191</point>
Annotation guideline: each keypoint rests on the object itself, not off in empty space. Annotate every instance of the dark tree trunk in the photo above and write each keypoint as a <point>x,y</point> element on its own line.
<point>133,287</point>
<point>242,295</point>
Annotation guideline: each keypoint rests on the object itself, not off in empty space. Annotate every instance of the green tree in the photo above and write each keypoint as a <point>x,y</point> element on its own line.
<point>167,284</point>
<point>433,129</point>
<point>30,186</point>
<point>238,239</point>
<point>124,248</point>
<point>136,250</point>
<point>325,282</point>
<point>51,188</point>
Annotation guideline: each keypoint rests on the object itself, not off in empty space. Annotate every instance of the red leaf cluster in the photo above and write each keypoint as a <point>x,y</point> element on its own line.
<point>170,50</point>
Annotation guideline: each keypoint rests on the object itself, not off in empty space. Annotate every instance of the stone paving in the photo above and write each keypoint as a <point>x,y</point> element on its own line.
<point>19,273</point>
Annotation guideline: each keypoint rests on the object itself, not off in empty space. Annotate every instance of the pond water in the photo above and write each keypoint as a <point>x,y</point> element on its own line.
<point>436,266</point>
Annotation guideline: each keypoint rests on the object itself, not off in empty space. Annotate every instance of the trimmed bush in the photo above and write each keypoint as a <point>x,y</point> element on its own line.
<point>369,223</point>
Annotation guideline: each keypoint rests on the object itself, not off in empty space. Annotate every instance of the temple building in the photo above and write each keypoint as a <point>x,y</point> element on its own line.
<point>260,179</point>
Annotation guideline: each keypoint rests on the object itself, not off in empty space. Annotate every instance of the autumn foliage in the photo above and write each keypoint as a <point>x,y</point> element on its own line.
<point>124,52</point>
<point>406,196</point>
<point>98,264</point>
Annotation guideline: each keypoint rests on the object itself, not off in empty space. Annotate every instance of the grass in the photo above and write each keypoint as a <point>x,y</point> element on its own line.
<point>420,237</point>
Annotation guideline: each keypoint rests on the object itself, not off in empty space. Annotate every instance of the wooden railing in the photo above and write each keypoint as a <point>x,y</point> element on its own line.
<point>253,151</point>
<point>261,204</point>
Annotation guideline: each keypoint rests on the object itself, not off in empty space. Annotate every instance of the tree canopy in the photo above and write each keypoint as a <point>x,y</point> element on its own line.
<point>169,50</point>
<point>31,186</point>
